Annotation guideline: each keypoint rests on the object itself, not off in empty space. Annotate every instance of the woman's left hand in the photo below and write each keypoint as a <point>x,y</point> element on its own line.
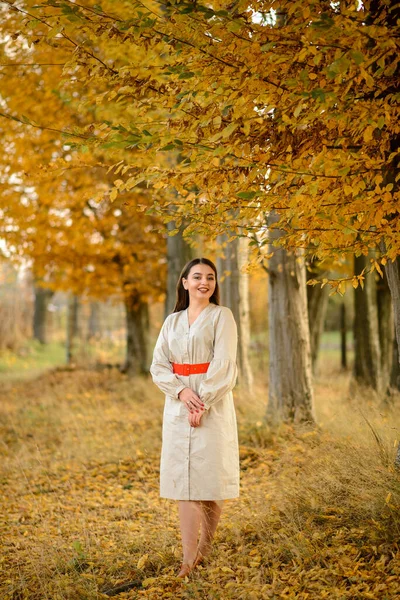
<point>195,417</point>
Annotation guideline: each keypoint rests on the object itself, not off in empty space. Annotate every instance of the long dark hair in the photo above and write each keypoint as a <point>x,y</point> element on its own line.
<point>182,295</point>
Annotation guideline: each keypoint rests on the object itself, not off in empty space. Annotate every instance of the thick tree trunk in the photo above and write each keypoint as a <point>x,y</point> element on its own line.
<point>178,254</point>
<point>234,288</point>
<point>386,330</point>
<point>392,270</point>
<point>137,335</point>
<point>72,326</point>
<point>367,359</point>
<point>317,302</point>
<point>40,313</point>
<point>290,380</point>
<point>395,374</point>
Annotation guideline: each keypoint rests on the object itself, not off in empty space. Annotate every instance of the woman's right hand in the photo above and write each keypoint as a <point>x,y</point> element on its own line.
<point>191,400</point>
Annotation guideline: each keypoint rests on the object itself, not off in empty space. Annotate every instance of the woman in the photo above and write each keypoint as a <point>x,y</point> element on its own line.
<point>194,364</point>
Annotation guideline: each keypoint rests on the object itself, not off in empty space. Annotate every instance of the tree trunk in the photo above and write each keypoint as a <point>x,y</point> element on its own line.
<point>395,374</point>
<point>290,380</point>
<point>178,254</point>
<point>343,336</point>
<point>392,270</point>
<point>42,299</point>
<point>317,302</point>
<point>94,320</point>
<point>234,288</point>
<point>72,326</point>
<point>367,353</point>
<point>386,330</point>
<point>137,335</point>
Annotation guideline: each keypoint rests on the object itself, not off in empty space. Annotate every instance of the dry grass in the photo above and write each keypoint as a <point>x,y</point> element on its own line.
<point>317,517</point>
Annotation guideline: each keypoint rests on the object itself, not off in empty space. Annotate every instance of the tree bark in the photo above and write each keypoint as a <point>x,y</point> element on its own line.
<point>42,300</point>
<point>72,326</point>
<point>392,270</point>
<point>367,359</point>
<point>178,254</point>
<point>290,381</point>
<point>343,336</point>
<point>137,335</point>
<point>234,288</point>
<point>317,302</point>
<point>386,330</point>
<point>395,374</point>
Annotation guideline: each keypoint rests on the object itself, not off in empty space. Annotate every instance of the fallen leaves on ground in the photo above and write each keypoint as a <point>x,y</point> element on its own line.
<point>82,519</point>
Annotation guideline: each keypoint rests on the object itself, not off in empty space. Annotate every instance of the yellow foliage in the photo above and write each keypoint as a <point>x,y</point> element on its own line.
<point>234,115</point>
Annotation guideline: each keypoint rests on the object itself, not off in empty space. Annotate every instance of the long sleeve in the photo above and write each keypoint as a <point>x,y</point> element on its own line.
<point>222,372</point>
<point>161,368</point>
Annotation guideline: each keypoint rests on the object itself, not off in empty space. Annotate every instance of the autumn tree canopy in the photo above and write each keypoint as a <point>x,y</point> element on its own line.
<point>236,115</point>
<point>55,207</point>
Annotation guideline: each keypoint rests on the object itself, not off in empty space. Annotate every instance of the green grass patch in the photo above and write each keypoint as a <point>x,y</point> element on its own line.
<point>32,360</point>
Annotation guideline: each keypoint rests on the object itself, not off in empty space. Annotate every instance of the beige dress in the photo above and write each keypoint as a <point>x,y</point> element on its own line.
<point>199,463</point>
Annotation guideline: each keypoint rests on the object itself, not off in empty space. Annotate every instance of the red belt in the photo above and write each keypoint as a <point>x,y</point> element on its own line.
<point>190,369</point>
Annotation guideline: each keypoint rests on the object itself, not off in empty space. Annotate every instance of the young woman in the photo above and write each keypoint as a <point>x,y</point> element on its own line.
<point>194,364</point>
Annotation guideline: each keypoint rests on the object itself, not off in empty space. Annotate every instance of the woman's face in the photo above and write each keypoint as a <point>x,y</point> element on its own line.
<point>200,282</point>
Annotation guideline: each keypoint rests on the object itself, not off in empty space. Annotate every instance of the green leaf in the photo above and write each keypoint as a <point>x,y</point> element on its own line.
<point>318,94</point>
<point>381,122</point>
<point>344,171</point>
<point>266,47</point>
<point>186,75</point>
<point>357,56</point>
<point>326,22</point>
<point>167,147</point>
<point>234,26</point>
<point>248,195</point>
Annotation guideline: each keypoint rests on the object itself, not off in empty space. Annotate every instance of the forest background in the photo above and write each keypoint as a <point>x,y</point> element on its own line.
<point>136,135</point>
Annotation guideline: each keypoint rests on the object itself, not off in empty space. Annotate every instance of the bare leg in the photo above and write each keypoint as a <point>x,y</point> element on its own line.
<point>189,516</point>
<point>210,514</point>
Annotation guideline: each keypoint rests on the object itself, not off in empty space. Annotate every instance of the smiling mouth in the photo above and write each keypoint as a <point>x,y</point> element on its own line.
<point>204,290</point>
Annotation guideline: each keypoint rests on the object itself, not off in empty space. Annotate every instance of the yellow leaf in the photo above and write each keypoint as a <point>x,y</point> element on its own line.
<point>217,122</point>
<point>229,129</point>
<point>378,268</point>
<point>227,570</point>
<point>142,561</point>
<point>368,133</point>
<point>114,194</point>
<point>348,190</point>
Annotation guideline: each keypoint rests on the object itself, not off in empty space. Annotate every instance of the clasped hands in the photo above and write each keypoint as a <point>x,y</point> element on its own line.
<point>194,405</point>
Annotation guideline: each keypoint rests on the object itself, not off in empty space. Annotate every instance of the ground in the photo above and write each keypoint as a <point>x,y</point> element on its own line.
<point>318,513</point>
